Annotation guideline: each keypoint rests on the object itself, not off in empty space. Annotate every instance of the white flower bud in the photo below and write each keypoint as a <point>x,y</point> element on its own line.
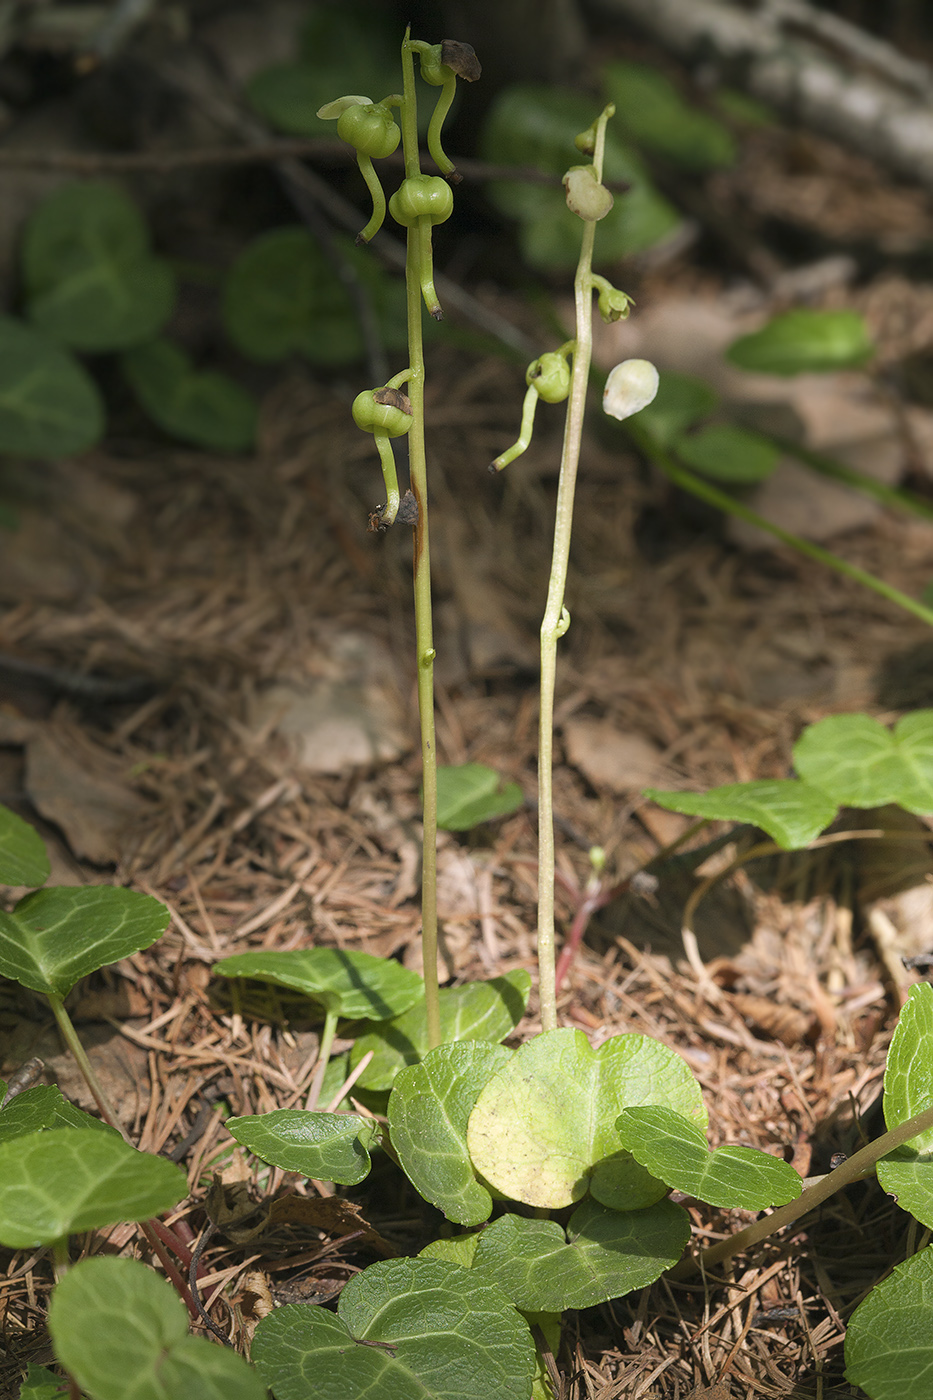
<point>631,386</point>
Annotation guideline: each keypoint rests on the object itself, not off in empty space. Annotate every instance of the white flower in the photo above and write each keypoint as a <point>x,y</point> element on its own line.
<point>631,386</point>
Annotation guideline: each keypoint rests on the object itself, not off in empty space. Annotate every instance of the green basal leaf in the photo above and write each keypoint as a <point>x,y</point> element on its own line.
<point>23,857</point>
<point>471,793</point>
<point>543,1129</point>
<point>601,1254</point>
<point>91,281</point>
<point>727,453</point>
<point>476,1011</point>
<point>793,813</point>
<point>907,1173</point>
<point>327,1146</point>
<point>49,405</point>
<point>803,341</point>
<point>861,763</point>
<point>675,1150</point>
<point>889,1341</point>
<point>56,936</point>
<point>43,1384</point>
<point>58,1183</point>
<point>459,1249</point>
<point>409,1329</point>
<point>680,402</point>
<point>652,112</point>
<point>355,985</point>
<point>122,1331</point>
<point>45,1106</point>
<point>203,407</point>
<point>428,1113</point>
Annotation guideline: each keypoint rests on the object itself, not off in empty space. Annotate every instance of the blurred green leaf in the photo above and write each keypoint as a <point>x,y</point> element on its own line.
<point>680,402</point>
<point>804,340</point>
<point>23,857</point>
<point>470,793</point>
<point>652,112</point>
<point>859,762</point>
<point>49,405</point>
<point>203,407</point>
<point>727,453</point>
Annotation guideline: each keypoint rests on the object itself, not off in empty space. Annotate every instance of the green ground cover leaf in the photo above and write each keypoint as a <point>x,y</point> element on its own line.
<point>23,857</point>
<point>56,936</point>
<point>675,1150</point>
<point>49,405</point>
<point>409,1329</point>
<point>355,985</point>
<point>889,1341</point>
<point>793,813</point>
<point>543,1129</point>
<point>203,407</point>
<point>652,112</point>
<point>57,1183</point>
<point>122,1331</point>
<point>602,1254</point>
<point>476,1011</point>
<point>859,762</point>
<point>429,1109</point>
<point>470,793</point>
<point>725,452</point>
<point>804,340</point>
<point>43,1384</point>
<point>327,1146</point>
<point>45,1106</point>
<point>680,402</point>
<point>907,1172</point>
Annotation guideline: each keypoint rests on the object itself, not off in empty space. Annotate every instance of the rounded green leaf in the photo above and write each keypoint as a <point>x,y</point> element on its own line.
<point>470,793</point>
<point>56,936</point>
<point>652,112</point>
<point>727,453</point>
<point>122,1331</point>
<point>49,405</point>
<point>42,1384</point>
<point>429,1110</point>
<point>200,406</point>
<point>889,1342</point>
<point>675,1150</point>
<point>861,763</point>
<point>907,1172</point>
<point>476,1011</point>
<point>457,1249</point>
<point>58,1183</point>
<point>355,985</point>
<point>804,340</point>
<point>680,402</point>
<point>409,1329</point>
<point>327,1146</point>
<point>45,1106</point>
<point>23,857</point>
<point>543,1129</point>
<point>602,1254</point>
<point>792,812</point>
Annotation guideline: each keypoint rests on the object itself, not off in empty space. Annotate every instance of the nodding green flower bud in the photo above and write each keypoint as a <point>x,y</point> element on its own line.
<point>422,197</point>
<point>613,304</point>
<point>585,195</point>
<point>550,376</point>
<point>631,386</point>
<point>386,411</point>
<point>371,130</point>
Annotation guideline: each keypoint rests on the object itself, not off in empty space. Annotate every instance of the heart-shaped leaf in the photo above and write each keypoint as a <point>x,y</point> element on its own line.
<point>804,340</point>
<point>471,793</point>
<point>23,857</point>
<point>792,812</point>
<point>120,1330</point>
<point>889,1341</point>
<point>652,112</point>
<point>327,1146</point>
<point>56,936</point>
<point>204,407</point>
<point>476,1011</point>
<point>429,1110</point>
<point>861,763</point>
<point>907,1172</point>
<point>543,1129</point>
<point>45,1106</point>
<point>57,1183</point>
<point>727,453</point>
<point>602,1254</point>
<point>409,1329</point>
<point>680,402</point>
<point>49,405</point>
<point>357,986</point>
<point>43,1384</point>
<point>675,1150</point>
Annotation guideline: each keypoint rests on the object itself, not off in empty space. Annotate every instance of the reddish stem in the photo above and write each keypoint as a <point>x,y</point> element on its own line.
<point>168,1265</point>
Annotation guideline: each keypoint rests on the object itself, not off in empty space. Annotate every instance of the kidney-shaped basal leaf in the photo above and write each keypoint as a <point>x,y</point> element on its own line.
<point>889,1341</point>
<point>792,812</point>
<point>602,1254</point>
<point>45,1106</point>
<point>411,1329</point>
<point>23,857</point>
<point>357,986</point>
<point>804,340</point>
<point>57,1183</point>
<point>475,1011</point>
<point>56,936</point>
<point>470,793</point>
<point>543,1129</point>
<point>907,1173</point>
<point>42,1384</point>
<point>204,407</point>
<point>675,1150</point>
<point>121,1330</point>
<point>49,404</point>
<point>861,763</point>
<point>728,453</point>
<point>328,1146</point>
<point>429,1110</point>
<point>681,401</point>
